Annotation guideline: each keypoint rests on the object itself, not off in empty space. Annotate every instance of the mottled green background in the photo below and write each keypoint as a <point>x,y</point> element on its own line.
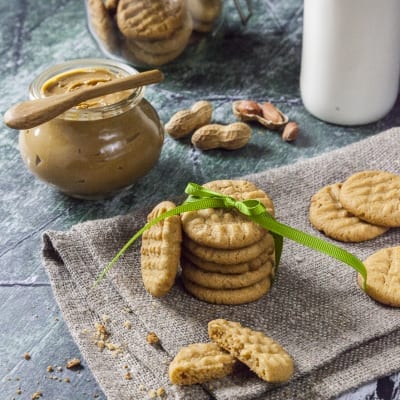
<point>260,61</point>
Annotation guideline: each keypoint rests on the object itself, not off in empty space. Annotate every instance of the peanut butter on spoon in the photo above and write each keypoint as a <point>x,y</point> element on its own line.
<point>100,90</point>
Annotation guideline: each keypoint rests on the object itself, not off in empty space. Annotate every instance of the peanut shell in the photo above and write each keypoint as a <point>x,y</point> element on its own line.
<point>274,125</point>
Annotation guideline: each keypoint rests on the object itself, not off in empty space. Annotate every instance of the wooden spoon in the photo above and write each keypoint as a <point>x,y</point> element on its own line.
<point>32,113</point>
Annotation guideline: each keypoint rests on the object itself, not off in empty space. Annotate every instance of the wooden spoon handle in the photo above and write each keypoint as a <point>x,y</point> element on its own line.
<point>32,113</point>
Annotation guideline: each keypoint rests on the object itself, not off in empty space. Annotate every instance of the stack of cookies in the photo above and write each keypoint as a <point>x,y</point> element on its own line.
<point>226,257</point>
<point>148,32</point>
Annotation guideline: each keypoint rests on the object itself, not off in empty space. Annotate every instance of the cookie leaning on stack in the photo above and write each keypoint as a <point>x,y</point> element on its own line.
<point>227,258</point>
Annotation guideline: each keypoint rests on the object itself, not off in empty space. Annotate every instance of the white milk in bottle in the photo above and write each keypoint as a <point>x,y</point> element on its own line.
<point>350,63</point>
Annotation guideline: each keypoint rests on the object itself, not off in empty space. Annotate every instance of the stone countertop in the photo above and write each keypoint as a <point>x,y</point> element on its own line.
<point>260,61</point>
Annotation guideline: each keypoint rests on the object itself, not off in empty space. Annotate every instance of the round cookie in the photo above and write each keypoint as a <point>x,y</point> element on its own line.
<point>160,251</point>
<point>241,268</point>
<point>177,41</point>
<point>328,215</point>
<point>102,24</point>
<point>143,19</point>
<point>202,27</point>
<point>206,11</point>
<point>233,256</point>
<point>383,279</point>
<point>226,228</point>
<point>136,54</point>
<point>228,296</point>
<point>216,280</point>
<point>373,196</point>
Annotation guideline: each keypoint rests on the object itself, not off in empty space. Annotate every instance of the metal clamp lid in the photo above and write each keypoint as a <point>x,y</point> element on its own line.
<point>244,15</point>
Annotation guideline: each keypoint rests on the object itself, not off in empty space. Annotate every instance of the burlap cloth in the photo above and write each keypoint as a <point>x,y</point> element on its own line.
<point>338,337</point>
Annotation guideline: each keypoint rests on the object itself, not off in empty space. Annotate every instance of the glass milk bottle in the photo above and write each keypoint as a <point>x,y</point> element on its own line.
<point>350,63</point>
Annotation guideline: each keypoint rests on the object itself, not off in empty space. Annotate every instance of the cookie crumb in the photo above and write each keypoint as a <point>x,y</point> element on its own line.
<point>106,318</point>
<point>152,394</point>
<point>101,339</point>
<point>101,332</point>
<point>19,391</point>
<point>152,338</point>
<point>113,347</point>
<point>75,362</point>
<point>36,395</point>
<point>128,324</point>
<point>128,376</point>
<point>160,392</point>
<point>50,368</point>
<point>67,380</point>
<point>27,356</point>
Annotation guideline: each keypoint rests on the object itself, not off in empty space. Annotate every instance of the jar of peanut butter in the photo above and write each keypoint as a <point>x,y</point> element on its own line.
<point>98,147</point>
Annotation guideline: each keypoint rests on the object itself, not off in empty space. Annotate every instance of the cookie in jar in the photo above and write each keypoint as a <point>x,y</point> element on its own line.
<point>205,14</point>
<point>143,32</point>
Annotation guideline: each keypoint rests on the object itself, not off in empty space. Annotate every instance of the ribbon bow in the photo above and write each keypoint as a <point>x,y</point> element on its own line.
<point>250,207</point>
<point>201,198</point>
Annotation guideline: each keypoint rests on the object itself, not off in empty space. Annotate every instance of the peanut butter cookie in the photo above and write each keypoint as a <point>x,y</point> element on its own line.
<point>227,228</point>
<point>204,13</point>
<point>260,353</point>
<point>328,215</point>
<point>200,362</point>
<point>160,251</point>
<point>156,19</point>
<point>373,196</point>
<point>216,280</point>
<point>228,296</point>
<point>137,55</point>
<point>230,256</point>
<point>241,268</point>
<point>173,43</point>
<point>102,24</point>
<point>383,280</point>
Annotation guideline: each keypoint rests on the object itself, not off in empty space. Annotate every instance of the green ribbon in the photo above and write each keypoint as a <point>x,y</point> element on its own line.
<point>201,198</point>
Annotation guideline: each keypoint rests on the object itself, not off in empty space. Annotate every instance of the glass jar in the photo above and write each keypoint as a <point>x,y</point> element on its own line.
<point>143,33</point>
<point>155,32</point>
<point>350,63</point>
<point>93,152</point>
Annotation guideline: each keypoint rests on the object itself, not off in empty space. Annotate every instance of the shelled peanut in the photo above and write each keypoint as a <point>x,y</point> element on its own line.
<point>290,132</point>
<point>185,122</point>
<point>230,137</point>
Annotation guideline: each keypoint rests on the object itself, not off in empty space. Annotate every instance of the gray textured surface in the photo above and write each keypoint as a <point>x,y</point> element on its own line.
<point>260,61</point>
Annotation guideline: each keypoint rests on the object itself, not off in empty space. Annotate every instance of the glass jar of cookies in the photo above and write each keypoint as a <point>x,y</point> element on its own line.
<point>99,147</point>
<point>142,32</point>
<point>154,32</point>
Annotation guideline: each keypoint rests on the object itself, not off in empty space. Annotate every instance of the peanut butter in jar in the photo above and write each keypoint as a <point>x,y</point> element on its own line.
<point>99,147</point>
